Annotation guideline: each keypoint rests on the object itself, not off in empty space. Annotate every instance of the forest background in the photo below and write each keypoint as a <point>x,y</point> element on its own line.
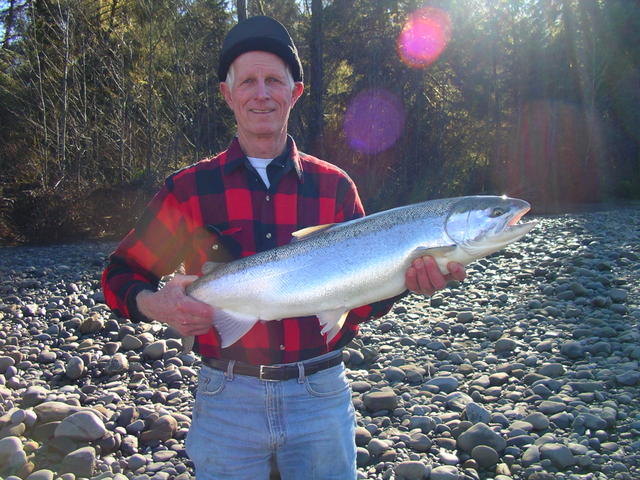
<point>101,99</point>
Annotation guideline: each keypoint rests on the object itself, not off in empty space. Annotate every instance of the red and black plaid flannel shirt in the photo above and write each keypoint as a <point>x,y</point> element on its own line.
<point>223,200</point>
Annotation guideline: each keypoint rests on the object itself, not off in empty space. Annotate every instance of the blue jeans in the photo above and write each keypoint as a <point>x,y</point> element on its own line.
<point>239,423</point>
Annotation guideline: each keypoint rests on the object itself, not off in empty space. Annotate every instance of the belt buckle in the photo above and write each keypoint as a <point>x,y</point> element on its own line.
<point>262,372</point>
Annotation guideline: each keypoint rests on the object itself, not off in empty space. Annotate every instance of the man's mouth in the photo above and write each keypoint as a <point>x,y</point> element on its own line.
<point>257,110</point>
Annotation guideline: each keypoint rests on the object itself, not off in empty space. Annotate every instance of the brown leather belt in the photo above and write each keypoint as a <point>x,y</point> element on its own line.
<point>275,372</point>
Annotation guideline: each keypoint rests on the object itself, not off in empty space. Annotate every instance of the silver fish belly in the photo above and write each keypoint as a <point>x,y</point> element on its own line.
<point>354,263</point>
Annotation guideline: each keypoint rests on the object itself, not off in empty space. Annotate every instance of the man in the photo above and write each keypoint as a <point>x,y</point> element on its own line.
<point>279,393</point>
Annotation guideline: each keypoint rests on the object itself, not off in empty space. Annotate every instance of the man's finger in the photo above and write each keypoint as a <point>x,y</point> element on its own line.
<point>425,283</point>
<point>410,279</point>
<point>194,330</point>
<point>195,308</point>
<point>457,271</point>
<point>433,273</point>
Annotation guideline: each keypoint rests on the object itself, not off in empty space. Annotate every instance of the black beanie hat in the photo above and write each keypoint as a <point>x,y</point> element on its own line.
<point>263,34</point>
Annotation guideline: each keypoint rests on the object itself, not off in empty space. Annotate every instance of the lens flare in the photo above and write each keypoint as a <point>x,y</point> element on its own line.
<point>374,121</point>
<point>424,37</point>
<point>555,157</point>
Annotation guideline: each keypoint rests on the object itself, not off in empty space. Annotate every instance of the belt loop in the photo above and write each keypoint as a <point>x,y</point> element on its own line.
<point>300,372</point>
<point>229,372</point>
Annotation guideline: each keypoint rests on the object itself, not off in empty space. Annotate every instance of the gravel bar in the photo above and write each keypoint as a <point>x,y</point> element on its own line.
<point>527,370</point>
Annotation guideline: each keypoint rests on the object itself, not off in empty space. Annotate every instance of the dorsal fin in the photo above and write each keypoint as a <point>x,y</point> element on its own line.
<point>305,232</point>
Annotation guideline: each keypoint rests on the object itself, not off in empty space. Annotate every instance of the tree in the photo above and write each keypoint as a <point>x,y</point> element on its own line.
<point>316,122</point>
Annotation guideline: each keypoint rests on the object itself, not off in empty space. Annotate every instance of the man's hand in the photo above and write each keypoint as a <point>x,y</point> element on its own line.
<point>424,276</point>
<point>174,307</point>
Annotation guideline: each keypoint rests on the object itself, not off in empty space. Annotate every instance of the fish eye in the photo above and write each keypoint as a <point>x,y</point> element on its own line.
<point>497,212</point>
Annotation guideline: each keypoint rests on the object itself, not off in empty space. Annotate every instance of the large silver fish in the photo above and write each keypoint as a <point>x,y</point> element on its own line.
<point>329,270</point>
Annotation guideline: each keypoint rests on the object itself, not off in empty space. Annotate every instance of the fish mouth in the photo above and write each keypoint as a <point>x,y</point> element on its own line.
<point>516,228</point>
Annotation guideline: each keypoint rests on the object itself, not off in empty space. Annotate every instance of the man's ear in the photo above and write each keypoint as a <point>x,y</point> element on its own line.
<point>298,88</point>
<point>226,93</point>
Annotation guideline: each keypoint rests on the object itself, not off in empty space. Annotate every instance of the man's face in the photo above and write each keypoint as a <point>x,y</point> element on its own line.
<point>261,95</point>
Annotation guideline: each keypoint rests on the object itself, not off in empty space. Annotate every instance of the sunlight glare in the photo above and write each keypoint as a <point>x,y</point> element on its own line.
<point>424,37</point>
<point>374,121</point>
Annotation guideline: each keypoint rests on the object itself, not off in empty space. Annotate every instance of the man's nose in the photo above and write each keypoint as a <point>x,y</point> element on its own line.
<point>262,90</point>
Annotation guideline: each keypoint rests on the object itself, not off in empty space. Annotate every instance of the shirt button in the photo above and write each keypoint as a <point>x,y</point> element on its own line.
<point>281,347</point>
<point>268,235</point>
<point>267,198</point>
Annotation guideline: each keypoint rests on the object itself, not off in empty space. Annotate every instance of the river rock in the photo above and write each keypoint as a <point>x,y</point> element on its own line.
<point>411,470</point>
<point>74,368</point>
<point>34,395</point>
<point>420,442</point>
<point>43,474</point>
<point>424,423</point>
<point>476,413</point>
<point>5,363</point>
<point>531,455</point>
<point>559,454</point>
<point>505,345</point>
<point>458,401</point>
<point>485,456</point>
<point>54,411</point>
<point>538,420</point>
<point>83,426</point>
<point>572,349</point>
<point>445,472</point>
<point>12,455</point>
<point>80,462</point>
<point>445,384</point>
<point>155,350</point>
<point>162,430</point>
<point>131,342</point>
<point>481,434</point>
<point>382,400</point>
<point>92,324</point>
<point>117,364</point>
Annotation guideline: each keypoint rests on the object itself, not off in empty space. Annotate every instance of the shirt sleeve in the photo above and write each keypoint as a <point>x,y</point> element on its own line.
<point>152,249</point>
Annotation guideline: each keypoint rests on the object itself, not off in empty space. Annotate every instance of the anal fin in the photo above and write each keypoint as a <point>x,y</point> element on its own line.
<point>332,321</point>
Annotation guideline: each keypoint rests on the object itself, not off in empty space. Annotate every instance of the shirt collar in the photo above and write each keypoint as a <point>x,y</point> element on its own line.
<point>288,160</point>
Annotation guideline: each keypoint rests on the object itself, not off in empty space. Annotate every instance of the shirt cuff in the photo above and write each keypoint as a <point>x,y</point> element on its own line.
<point>132,305</point>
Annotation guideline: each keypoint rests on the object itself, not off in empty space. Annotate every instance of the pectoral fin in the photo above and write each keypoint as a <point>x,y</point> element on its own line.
<point>332,321</point>
<point>232,326</point>
<point>434,251</point>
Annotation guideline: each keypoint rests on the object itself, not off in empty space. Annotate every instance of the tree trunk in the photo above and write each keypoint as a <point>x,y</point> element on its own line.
<point>242,10</point>
<point>316,121</point>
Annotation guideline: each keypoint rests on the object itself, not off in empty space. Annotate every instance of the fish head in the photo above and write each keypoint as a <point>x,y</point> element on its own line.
<point>481,225</point>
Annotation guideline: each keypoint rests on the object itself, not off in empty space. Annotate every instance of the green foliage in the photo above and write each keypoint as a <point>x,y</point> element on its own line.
<point>531,98</point>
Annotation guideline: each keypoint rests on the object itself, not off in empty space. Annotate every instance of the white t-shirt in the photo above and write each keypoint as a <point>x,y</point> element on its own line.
<point>260,164</point>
